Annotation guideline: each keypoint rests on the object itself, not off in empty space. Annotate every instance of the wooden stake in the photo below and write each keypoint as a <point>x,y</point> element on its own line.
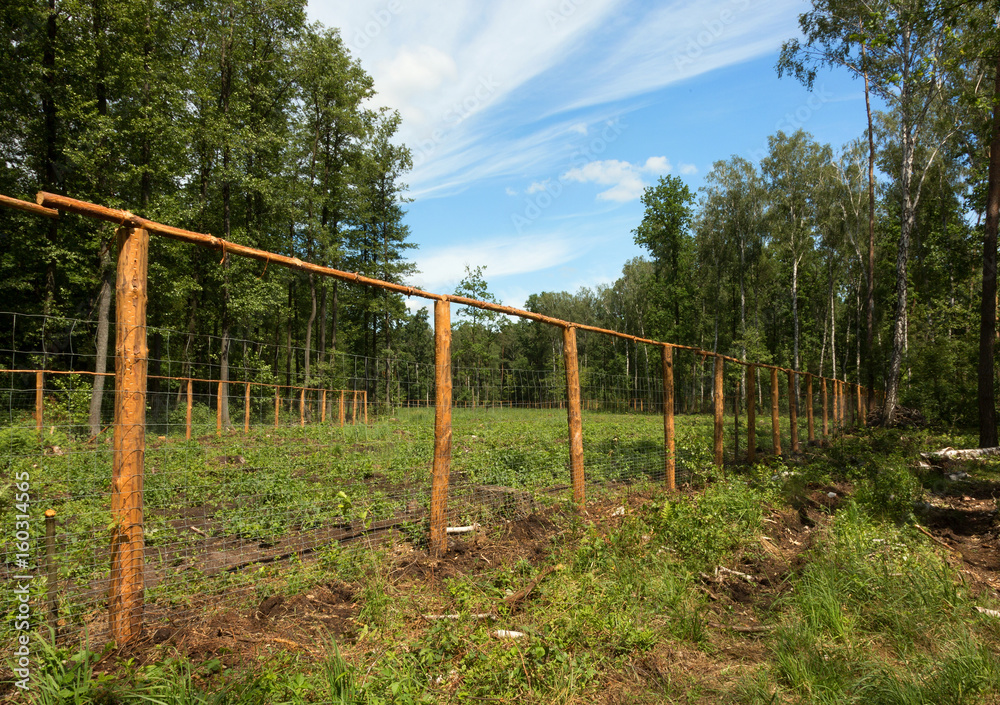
<point>668,418</point>
<point>365,400</point>
<point>775,427</point>
<point>125,603</point>
<point>809,409</point>
<point>190,406</point>
<point>354,408</point>
<point>218,410</point>
<point>861,416</point>
<point>51,571</point>
<point>246,411</point>
<point>573,414</point>
<point>752,413</point>
<point>793,413</point>
<point>342,408</point>
<point>719,412</point>
<point>39,403</point>
<point>322,413</point>
<point>302,407</point>
<point>442,429</point>
<point>277,406</point>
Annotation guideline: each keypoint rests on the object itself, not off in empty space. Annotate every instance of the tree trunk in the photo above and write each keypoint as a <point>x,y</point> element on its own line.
<point>988,306</point>
<point>870,299</point>
<point>101,357</point>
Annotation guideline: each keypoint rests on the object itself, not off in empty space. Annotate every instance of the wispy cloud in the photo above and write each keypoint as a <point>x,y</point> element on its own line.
<point>626,180</point>
<point>461,73</point>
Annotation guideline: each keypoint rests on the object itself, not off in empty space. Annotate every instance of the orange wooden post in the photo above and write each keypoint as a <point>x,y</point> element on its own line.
<point>277,406</point>
<point>442,429</point>
<point>322,413</point>
<point>574,417</point>
<point>39,403</point>
<point>364,394</point>
<point>342,408</point>
<point>719,412</point>
<point>863,404</point>
<point>302,407</point>
<point>752,413</point>
<point>354,408</point>
<point>775,426</point>
<point>809,409</point>
<point>218,410</point>
<point>669,443</point>
<point>125,600</point>
<point>861,417</point>
<point>246,410</point>
<point>793,413</point>
<point>826,424</point>
<point>190,406</point>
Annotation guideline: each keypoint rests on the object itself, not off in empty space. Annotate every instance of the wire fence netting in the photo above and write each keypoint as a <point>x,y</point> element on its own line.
<point>283,454</point>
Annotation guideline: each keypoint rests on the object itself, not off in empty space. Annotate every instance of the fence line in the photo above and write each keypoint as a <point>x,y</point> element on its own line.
<point>125,602</point>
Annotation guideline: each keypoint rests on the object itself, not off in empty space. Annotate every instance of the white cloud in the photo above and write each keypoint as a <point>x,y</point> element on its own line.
<point>537,186</point>
<point>510,192</point>
<point>625,179</point>
<point>509,57</point>
<point>687,169</point>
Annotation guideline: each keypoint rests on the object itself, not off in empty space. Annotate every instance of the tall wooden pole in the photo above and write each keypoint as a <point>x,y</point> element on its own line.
<point>669,445</point>
<point>861,417</point>
<point>752,413</point>
<point>442,429</point>
<point>302,407</point>
<point>719,399</point>
<point>809,409</point>
<point>246,410</point>
<point>277,406</point>
<point>190,406</point>
<point>793,413</point>
<point>322,413</point>
<point>125,603</point>
<point>574,417</point>
<point>218,410</point>
<point>39,403</point>
<point>341,409</point>
<point>775,426</point>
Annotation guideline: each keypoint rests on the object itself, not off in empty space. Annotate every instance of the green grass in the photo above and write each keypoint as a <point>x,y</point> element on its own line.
<point>871,612</point>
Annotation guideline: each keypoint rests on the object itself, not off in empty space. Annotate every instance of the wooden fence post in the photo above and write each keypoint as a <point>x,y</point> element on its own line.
<point>809,410</point>
<point>861,417</point>
<point>51,570</point>
<point>719,412</point>
<point>775,425</point>
<point>573,414</point>
<point>322,413</point>
<point>125,603</point>
<point>442,429</point>
<point>354,404</point>
<point>302,407</point>
<point>752,413</point>
<point>342,408</point>
<point>836,406</point>
<point>277,406</point>
<point>39,402</point>
<point>364,395</point>
<point>668,418</point>
<point>246,411</point>
<point>218,410</point>
<point>190,406</point>
<point>793,413</point>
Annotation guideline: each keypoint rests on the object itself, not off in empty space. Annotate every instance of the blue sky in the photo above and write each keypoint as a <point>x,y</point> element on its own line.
<point>535,124</point>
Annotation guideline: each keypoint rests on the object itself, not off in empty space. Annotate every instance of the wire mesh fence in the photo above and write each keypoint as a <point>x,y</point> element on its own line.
<point>257,464</point>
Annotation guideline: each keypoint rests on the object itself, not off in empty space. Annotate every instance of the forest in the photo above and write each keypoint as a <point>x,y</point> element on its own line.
<point>862,261</point>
